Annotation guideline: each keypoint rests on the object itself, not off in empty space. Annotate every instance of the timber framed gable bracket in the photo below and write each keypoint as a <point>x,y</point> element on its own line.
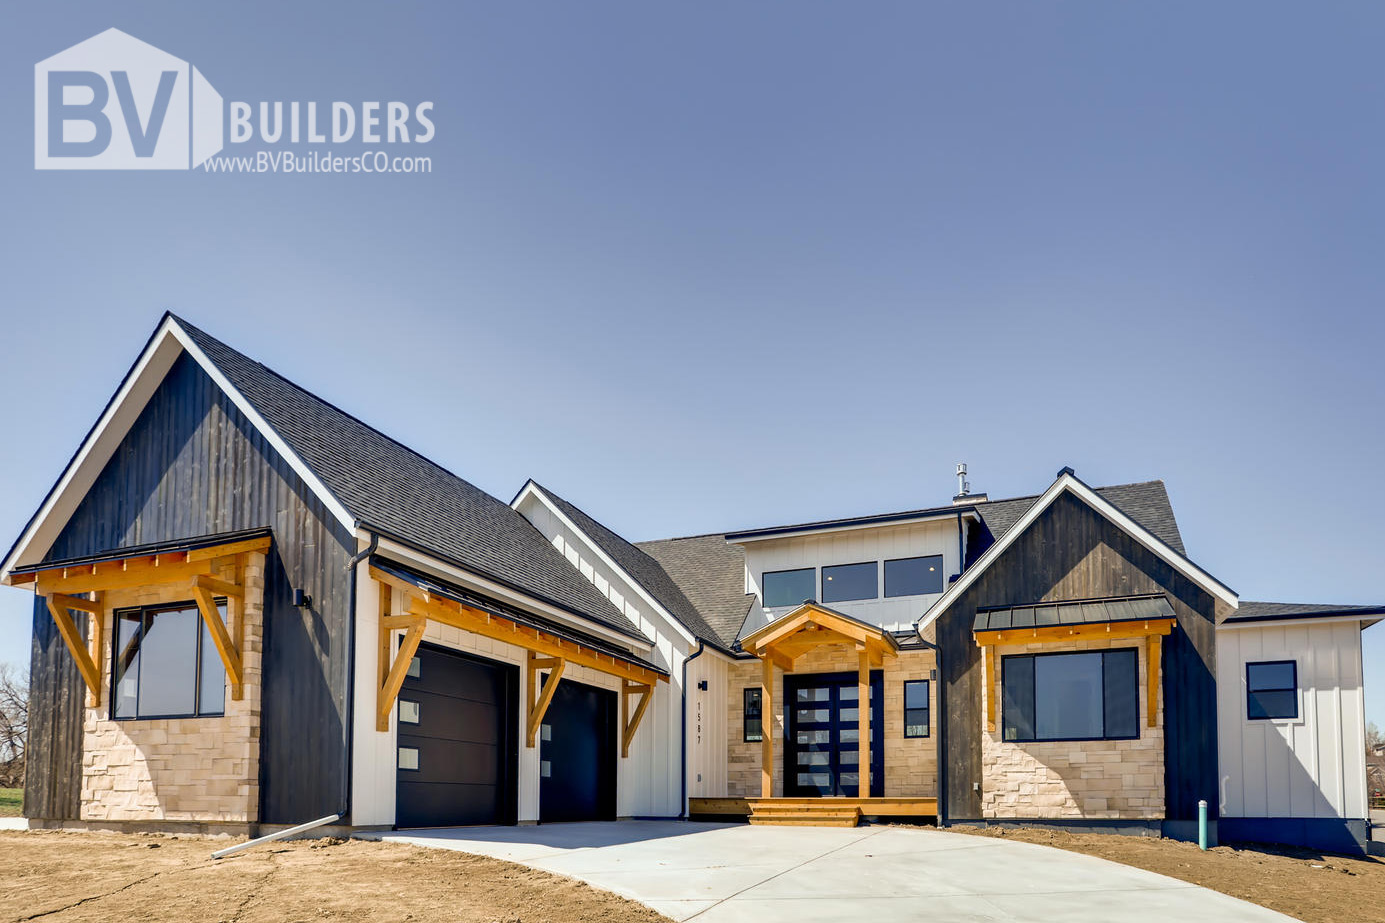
<point>80,586</point>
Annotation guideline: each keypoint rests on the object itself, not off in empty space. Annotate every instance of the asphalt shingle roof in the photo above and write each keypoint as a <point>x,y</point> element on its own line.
<point>644,569</point>
<point>384,484</point>
<point>1146,502</point>
<point>711,573</point>
<point>1249,611</point>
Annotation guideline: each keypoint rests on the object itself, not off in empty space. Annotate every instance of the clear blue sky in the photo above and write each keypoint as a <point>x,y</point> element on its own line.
<point>721,265</point>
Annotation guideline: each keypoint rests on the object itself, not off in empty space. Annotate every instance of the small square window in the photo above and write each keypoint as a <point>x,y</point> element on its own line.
<point>754,728</point>
<point>408,712</point>
<point>415,668</point>
<point>408,758</point>
<point>1272,690</point>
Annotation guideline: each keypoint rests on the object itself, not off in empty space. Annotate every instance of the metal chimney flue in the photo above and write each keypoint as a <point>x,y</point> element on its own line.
<point>964,495</point>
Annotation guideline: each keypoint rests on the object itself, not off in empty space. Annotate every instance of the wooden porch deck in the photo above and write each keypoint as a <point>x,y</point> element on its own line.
<point>812,812</point>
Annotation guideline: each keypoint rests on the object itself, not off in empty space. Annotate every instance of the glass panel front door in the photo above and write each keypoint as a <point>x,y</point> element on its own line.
<point>821,754</point>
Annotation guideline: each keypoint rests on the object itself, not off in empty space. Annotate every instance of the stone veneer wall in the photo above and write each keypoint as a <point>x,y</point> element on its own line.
<point>1104,779</point>
<point>178,769</point>
<point>911,764</point>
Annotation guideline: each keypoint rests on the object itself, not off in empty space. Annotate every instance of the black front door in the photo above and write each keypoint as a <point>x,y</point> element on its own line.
<point>457,747</point>
<point>577,754</point>
<point>822,752</point>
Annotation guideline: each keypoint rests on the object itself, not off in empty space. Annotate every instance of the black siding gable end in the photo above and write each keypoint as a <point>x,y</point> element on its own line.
<point>1073,552</point>
<point>191,465</point>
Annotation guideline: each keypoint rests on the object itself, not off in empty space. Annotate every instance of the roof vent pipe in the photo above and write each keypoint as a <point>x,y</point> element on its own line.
<point>964,495</point>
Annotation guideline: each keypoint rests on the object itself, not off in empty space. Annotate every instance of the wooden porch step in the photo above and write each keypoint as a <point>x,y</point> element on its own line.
<point>790,818</point>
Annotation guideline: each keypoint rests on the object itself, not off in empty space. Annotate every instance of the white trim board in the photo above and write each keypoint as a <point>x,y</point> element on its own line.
<point>1068,482</point>
<point>531,488</point>
<point>453,574</point>
<point>168,342</point>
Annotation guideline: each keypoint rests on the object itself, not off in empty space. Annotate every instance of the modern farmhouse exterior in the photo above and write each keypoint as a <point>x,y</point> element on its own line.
<point>252,609</point>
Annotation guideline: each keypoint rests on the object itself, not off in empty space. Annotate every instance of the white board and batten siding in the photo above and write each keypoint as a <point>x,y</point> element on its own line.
<point>855,546</point>
<point>648,784</point>
<point>707,717</point>
<point>1312,766</point>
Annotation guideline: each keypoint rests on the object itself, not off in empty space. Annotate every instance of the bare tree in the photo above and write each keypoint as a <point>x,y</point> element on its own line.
<point>1374,739</point>
<point>14,724</point>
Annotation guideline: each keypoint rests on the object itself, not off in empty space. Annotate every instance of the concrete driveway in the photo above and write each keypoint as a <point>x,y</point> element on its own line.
<point>716,873</point>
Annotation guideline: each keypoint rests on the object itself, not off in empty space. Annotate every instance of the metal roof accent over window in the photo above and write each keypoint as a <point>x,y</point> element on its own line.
<point>1078,612</point>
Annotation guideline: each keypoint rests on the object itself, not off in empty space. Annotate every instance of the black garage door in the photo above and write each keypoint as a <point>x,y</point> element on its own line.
<point>457,748</point>
<point>577,756</point>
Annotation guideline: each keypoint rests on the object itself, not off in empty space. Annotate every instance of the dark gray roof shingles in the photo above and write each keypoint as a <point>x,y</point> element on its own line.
<point>383,483</point>
<point>1251,611</point>
<point>711,573</point>
<point>1146,502</point>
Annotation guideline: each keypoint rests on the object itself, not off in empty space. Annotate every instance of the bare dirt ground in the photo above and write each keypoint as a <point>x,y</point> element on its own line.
<point>1314,888</point>
<point>102,877</point>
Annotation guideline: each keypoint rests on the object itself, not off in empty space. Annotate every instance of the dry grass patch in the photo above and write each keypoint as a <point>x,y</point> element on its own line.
<point>1312,887</point>
<point>102,877</point>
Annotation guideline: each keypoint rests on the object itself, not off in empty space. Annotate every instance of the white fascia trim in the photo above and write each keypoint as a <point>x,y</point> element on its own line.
<point>96,450</point>
<point>946,517</point>
<point>532,489</point>
<point>490,588</point>
<point>1069,483</point>
<point>149,371</point>
<point>302,470</point>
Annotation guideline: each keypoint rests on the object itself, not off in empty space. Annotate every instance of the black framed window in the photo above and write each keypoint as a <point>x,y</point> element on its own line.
<point>754,728</point>
<point>914,576</point>
<point>916,708</point>
<point>845,582</point>
<point>166,664</point>
<point>1272,689</point>
<point>790,587</point>
<point>1088,695</point>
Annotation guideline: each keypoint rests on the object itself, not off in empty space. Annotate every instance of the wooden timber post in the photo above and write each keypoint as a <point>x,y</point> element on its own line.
<point>766,727</point>
<point>863,721</point>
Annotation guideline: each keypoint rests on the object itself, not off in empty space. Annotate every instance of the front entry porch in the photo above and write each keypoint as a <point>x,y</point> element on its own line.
<point>832,721</point>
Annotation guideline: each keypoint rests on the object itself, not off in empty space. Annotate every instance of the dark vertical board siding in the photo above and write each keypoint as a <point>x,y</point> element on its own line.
<point>1073,552</point>
<point>194,465</point>
<point>52,778</point>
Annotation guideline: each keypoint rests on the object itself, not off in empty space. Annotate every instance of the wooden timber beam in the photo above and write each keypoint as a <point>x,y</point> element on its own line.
<point>1154,645</point>
<point>226,645</point>
<point>630,723</point>
<point>394,678</point>
<point>477,621</point>
<point>121,575</point>
<point>778,658</point>
<point>58,606</point>
<point>219,587</point>
<point>249,546</point>
<point>539,699</point>
<point>1098,631</point>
